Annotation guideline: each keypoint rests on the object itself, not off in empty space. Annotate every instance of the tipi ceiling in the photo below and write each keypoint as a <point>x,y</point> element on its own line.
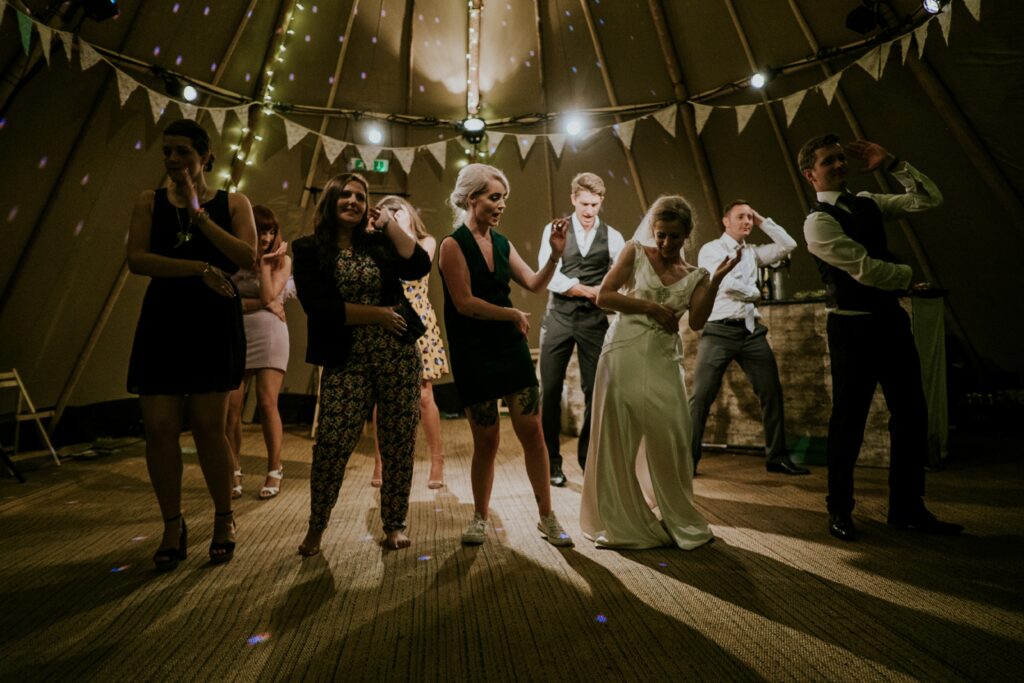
<point>292,90</point>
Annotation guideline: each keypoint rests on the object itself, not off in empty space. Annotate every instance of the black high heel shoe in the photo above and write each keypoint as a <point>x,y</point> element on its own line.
<point>223,551</point>
<point>166,559</point>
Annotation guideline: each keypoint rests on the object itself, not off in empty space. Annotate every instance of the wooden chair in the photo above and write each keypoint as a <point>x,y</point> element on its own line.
<point>12,380</point>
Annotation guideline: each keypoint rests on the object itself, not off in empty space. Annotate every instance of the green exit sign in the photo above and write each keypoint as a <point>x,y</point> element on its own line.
<point>380,165</point>
<point>356,165</point>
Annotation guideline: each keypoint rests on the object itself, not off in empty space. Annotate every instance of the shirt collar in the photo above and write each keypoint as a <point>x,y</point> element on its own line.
<point>729,242</point>
<point>578,228</point>
<point>829,197</point>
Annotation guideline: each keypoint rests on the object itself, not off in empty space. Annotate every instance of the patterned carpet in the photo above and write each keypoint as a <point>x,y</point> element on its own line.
<point>774,598</point>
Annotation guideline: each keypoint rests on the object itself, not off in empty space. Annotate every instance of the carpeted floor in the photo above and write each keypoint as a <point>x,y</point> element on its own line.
<point>774,598</point>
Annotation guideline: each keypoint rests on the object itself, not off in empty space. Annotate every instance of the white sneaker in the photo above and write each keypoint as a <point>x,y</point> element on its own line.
<point>476,532</point>
<point>553,531</point>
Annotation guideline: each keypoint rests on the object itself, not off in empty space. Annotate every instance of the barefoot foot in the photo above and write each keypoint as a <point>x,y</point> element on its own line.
<point>396,540</point>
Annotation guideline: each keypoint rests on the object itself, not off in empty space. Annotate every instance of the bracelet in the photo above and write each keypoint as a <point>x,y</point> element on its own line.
<point>895,162</point>
<point>199,216</point>
<point>207,268</point>
<point>552,260</point>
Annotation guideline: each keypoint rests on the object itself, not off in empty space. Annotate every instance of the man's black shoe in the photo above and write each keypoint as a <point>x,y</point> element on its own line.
<point>786,466</point>
<point>923,521</point>
<point>557,478</point>
<point>841,526</point>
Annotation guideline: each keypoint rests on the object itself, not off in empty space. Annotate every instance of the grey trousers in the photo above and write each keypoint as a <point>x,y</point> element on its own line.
<point>719,345</point>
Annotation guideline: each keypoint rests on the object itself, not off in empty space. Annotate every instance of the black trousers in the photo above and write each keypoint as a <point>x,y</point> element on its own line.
<point>583,329</point>
<point>720,345</point>
<point>868,350</point>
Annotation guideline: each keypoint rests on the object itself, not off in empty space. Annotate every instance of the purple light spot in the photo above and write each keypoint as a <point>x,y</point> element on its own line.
<point>248,76</point>
<point>437,509</point>
<point>213,67</point>
<point>156,51</point>
<point>532,53</point>
<point>3,123</point>
<point>504,23</point>
<point>421,17</point>
<point>362,75</point>
<point>178,60</point>
<point>78,228</point>
<point>422,88</point>
<point>258,638</point>
<point>176,7</point>
<point>663,564</point>
<point>136,539</point>
<point>206,11</point>
<point>423,558</point>
<point>373,40</point>
<point>527,63</point>
<point>611,173</point>
<point>330,80</point>
<point>571,29</point>
<point>315,9</point>
<point>291,77</point>
<point>12,214</point>
<point>601,618</point>
<point>85,179</point>
<point>284,185</point>
<point>308,38</point>
<point>600,21</point>
<point>383,13</point>
<point>138,144</point>
<point>499,528</point>
<point>568,13</point>
<point>573,69</point>
<point>42,162</point>
<point>341,39</point>
<point>118,570</point>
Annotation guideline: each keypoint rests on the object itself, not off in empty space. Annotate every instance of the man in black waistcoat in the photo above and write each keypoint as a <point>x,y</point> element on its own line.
<point>572,318</point>
<point>869,335</point>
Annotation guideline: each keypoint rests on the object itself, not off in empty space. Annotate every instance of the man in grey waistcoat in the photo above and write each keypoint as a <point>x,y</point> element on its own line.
<point>572,318</point>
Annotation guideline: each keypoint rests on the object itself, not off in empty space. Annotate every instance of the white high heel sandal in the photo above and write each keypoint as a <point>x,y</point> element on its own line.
<point>236,490</point>
<point>268,492</point>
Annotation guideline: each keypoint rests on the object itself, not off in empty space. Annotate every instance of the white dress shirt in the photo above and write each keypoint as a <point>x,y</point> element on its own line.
<point>827,241</point>
<point>738,291</point>
<point>560,284</point>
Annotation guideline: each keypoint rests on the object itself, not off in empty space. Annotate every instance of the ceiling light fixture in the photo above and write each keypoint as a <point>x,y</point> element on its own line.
<point>473,129</point>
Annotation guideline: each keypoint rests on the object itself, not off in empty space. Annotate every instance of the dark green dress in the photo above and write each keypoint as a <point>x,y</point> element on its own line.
<point>489,358</point>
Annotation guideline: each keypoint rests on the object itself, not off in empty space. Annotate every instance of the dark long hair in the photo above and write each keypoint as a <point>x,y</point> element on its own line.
<point>325,218</point>
<point>266,221</point>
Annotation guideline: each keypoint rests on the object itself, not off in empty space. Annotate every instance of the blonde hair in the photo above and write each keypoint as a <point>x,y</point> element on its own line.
<point>394,202</point>
<point>589,182</point>
<point>472,181</point>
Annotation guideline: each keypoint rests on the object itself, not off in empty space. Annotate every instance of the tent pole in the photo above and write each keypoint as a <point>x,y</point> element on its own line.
<point>549,173</point>
<point>700,157</point>
<point>613,100</point>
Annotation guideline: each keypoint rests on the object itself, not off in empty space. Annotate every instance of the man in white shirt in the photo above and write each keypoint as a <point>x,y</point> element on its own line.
<point>869,334</point>
<point>734,331</point>
<point>572,318</point>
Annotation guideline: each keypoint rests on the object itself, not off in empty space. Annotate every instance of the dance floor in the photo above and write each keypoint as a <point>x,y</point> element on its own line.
<point>773,598</point>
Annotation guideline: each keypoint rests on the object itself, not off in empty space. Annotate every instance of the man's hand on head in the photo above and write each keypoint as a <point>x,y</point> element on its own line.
<point>872,154</point>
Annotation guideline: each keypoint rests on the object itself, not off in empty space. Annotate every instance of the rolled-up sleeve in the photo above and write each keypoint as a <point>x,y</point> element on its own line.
<point>826,240</point>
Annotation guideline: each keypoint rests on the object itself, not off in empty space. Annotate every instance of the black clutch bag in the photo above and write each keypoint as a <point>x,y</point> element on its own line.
<point>414,327</point>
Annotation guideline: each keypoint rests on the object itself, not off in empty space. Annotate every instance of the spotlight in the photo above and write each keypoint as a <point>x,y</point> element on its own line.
<point>574,125</point>
<point>758,80</point>
<point>374,135</point>
<point>175,88</point>
<point>934,6</point>
<point>473,129</point>
<point>863,19</point>
<point>190,93</point>
<point>98,10</point>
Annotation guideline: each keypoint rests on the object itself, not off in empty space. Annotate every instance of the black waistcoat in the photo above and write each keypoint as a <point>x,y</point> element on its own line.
<point>589,270</point>
<point>865,226</point>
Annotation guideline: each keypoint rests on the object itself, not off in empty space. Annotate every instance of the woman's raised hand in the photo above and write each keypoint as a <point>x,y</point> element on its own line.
<point>521,319</point>
<point>379,219</point>
<point>271,257</point>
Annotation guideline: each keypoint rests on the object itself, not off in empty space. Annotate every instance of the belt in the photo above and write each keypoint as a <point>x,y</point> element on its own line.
<point>733,322</point>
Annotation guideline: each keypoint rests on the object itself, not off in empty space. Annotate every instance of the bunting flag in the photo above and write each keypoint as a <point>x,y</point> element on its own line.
<point>126,85</point>
<point>217,116</point>
<point>921,34</point>
<point>294,132</point>
<point>667,118</point>
<point>625,132</point>
<point>701,112</point>
<point>440,151</point>
<point>242,112</point>
<point>368,153</point>
<point>743,114</point>
<point>557,141</point>
<point>25,25</point>
<point>493,140</point>
<point>905,46</point>
<point>945,21</point>
<point>45,39</point>
<point>332,148</point>
<point>975,8</point>
<point>87,55</point>
<point>524,143</point>
<point>405,156</point>
<point>870,62</point>
<point>829,85</point>
<point>189,111</point>
<point>66,38</point>
<point>157,104</point>
<point>792,104</point>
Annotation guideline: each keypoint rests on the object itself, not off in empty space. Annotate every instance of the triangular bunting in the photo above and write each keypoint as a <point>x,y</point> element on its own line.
<point>869,62</point>
<point>242,112</point>
<point>524,143</point>
<point>905,46</point>
<point>126,85</point>
<point>557,141</point>
<point>667,118</point>
<point>625,132</point>
<point>945,21</point>
<point>87,55</point>
<point>743,114</point>
<point>975,8</point>
<point>792,104</point>
<point>157,104</point>
<point>368,153</point>
<point>440,151</point>
<point>294,132</point>
<point>829,85</point>
<point>189,111</point>
<point>921,35</point>
<point>701,113</point>
<point>405,156</point>
<point>217,116</point>
<point>494,139</point>
<point>66,38</point>
<point>332,147</point>
<point>25,25</point>
<point>45,39</point>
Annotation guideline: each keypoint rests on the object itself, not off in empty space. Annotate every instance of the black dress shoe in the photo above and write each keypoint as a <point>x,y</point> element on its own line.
<point>786,466</point>
<point>557,478</point>
<point>923,521</point>
<point>841,526</point>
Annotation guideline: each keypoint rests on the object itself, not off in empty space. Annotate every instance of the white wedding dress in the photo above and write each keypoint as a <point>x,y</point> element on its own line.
<point>638,484</point>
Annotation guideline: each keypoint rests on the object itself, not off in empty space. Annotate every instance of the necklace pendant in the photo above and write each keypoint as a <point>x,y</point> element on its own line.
<point>183,238</point>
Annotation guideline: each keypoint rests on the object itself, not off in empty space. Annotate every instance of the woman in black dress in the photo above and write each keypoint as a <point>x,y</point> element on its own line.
<point>348,277</point>
<point>190,341</point>
<point>490,358</point>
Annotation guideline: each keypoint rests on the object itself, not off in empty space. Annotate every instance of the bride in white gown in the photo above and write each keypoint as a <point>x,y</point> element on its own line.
<point>638,483</point>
